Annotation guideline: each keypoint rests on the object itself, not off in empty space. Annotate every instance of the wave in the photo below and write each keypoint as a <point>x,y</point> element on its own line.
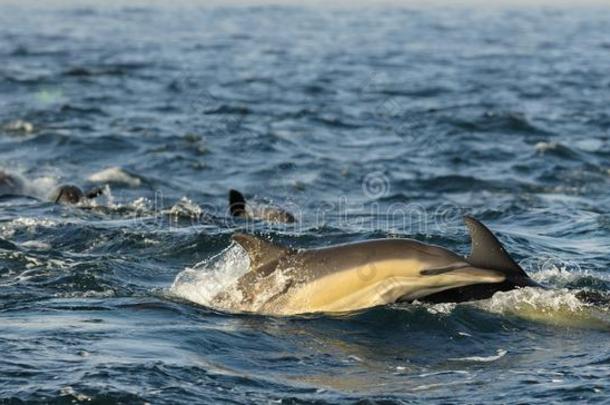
<point>558,149</point>
<point>482,359</point>
<point>491,121</point>
<point>115,175</point>
<point>113,69</point>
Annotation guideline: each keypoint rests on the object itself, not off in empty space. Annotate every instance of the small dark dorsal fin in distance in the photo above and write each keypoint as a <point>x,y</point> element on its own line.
<point>96,192</point>
<point>487,252</point>
<point>260,252</point>
<point>237,203</point>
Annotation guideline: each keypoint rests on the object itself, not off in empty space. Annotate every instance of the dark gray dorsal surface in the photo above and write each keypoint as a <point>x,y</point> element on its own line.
<point>487,252</point>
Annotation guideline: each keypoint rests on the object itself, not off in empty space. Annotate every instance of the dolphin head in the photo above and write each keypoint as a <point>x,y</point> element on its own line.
<point>68,194</point>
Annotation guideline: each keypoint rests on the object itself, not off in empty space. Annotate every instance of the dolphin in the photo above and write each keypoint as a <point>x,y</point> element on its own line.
<point>69,194</point>
<point>238,208</point>
<point>349,277</point>
<point>11,184</point>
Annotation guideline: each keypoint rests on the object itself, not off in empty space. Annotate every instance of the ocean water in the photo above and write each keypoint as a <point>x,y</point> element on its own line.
<point>365,122</point>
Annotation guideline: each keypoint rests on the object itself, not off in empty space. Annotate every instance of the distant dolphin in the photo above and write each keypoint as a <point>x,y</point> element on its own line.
<point>237,206</point>
<point>11,185</point>
<point>283,281</point>
<point>69,194</point>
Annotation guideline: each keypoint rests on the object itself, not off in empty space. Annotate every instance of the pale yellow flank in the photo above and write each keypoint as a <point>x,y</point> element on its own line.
<point>374,284</point>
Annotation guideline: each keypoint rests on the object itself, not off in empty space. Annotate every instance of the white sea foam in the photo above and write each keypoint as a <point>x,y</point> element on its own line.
<point>528,299</point>
<point>559,274</point>
<point>544,146</point>
<point>115,175</point>
<point>559,307</point>
<point>185,208</point>
<point>444,372</point>
<point>426,387</point>
<point>107,293</point>
<point>20,126</point>
<point>70,392</point>
<point>8,229</point>
<point>482,359</point>
<point>41,187</point>
<point>204,281</point>
<point>556,275</point>
<point>442,308</point>
<point>141,204</point>
<point>35,244</point>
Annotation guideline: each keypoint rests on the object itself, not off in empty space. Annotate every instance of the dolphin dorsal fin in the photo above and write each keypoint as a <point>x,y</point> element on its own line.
<point>237,203</point>
<point>486,250</point>
<point>260,252</point>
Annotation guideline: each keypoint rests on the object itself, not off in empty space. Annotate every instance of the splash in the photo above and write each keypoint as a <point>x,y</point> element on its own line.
<point>442,308</point>
<point>558,307</point>
<point>214,283</point>
<point>563,274</point>
<point>142,204</point>
<point>21,126</point>
<point>204,281</point>
<point>557,276</point>
<point>41,188</point>
<point>185,208</point>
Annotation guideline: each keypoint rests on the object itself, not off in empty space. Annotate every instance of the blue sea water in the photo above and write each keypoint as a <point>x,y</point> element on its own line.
<point>364,121</point>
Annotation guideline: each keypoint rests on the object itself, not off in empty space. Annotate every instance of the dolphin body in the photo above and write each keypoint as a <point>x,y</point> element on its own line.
<point>11,184</point>
<point>238,208</point>
<point>341,278</point>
